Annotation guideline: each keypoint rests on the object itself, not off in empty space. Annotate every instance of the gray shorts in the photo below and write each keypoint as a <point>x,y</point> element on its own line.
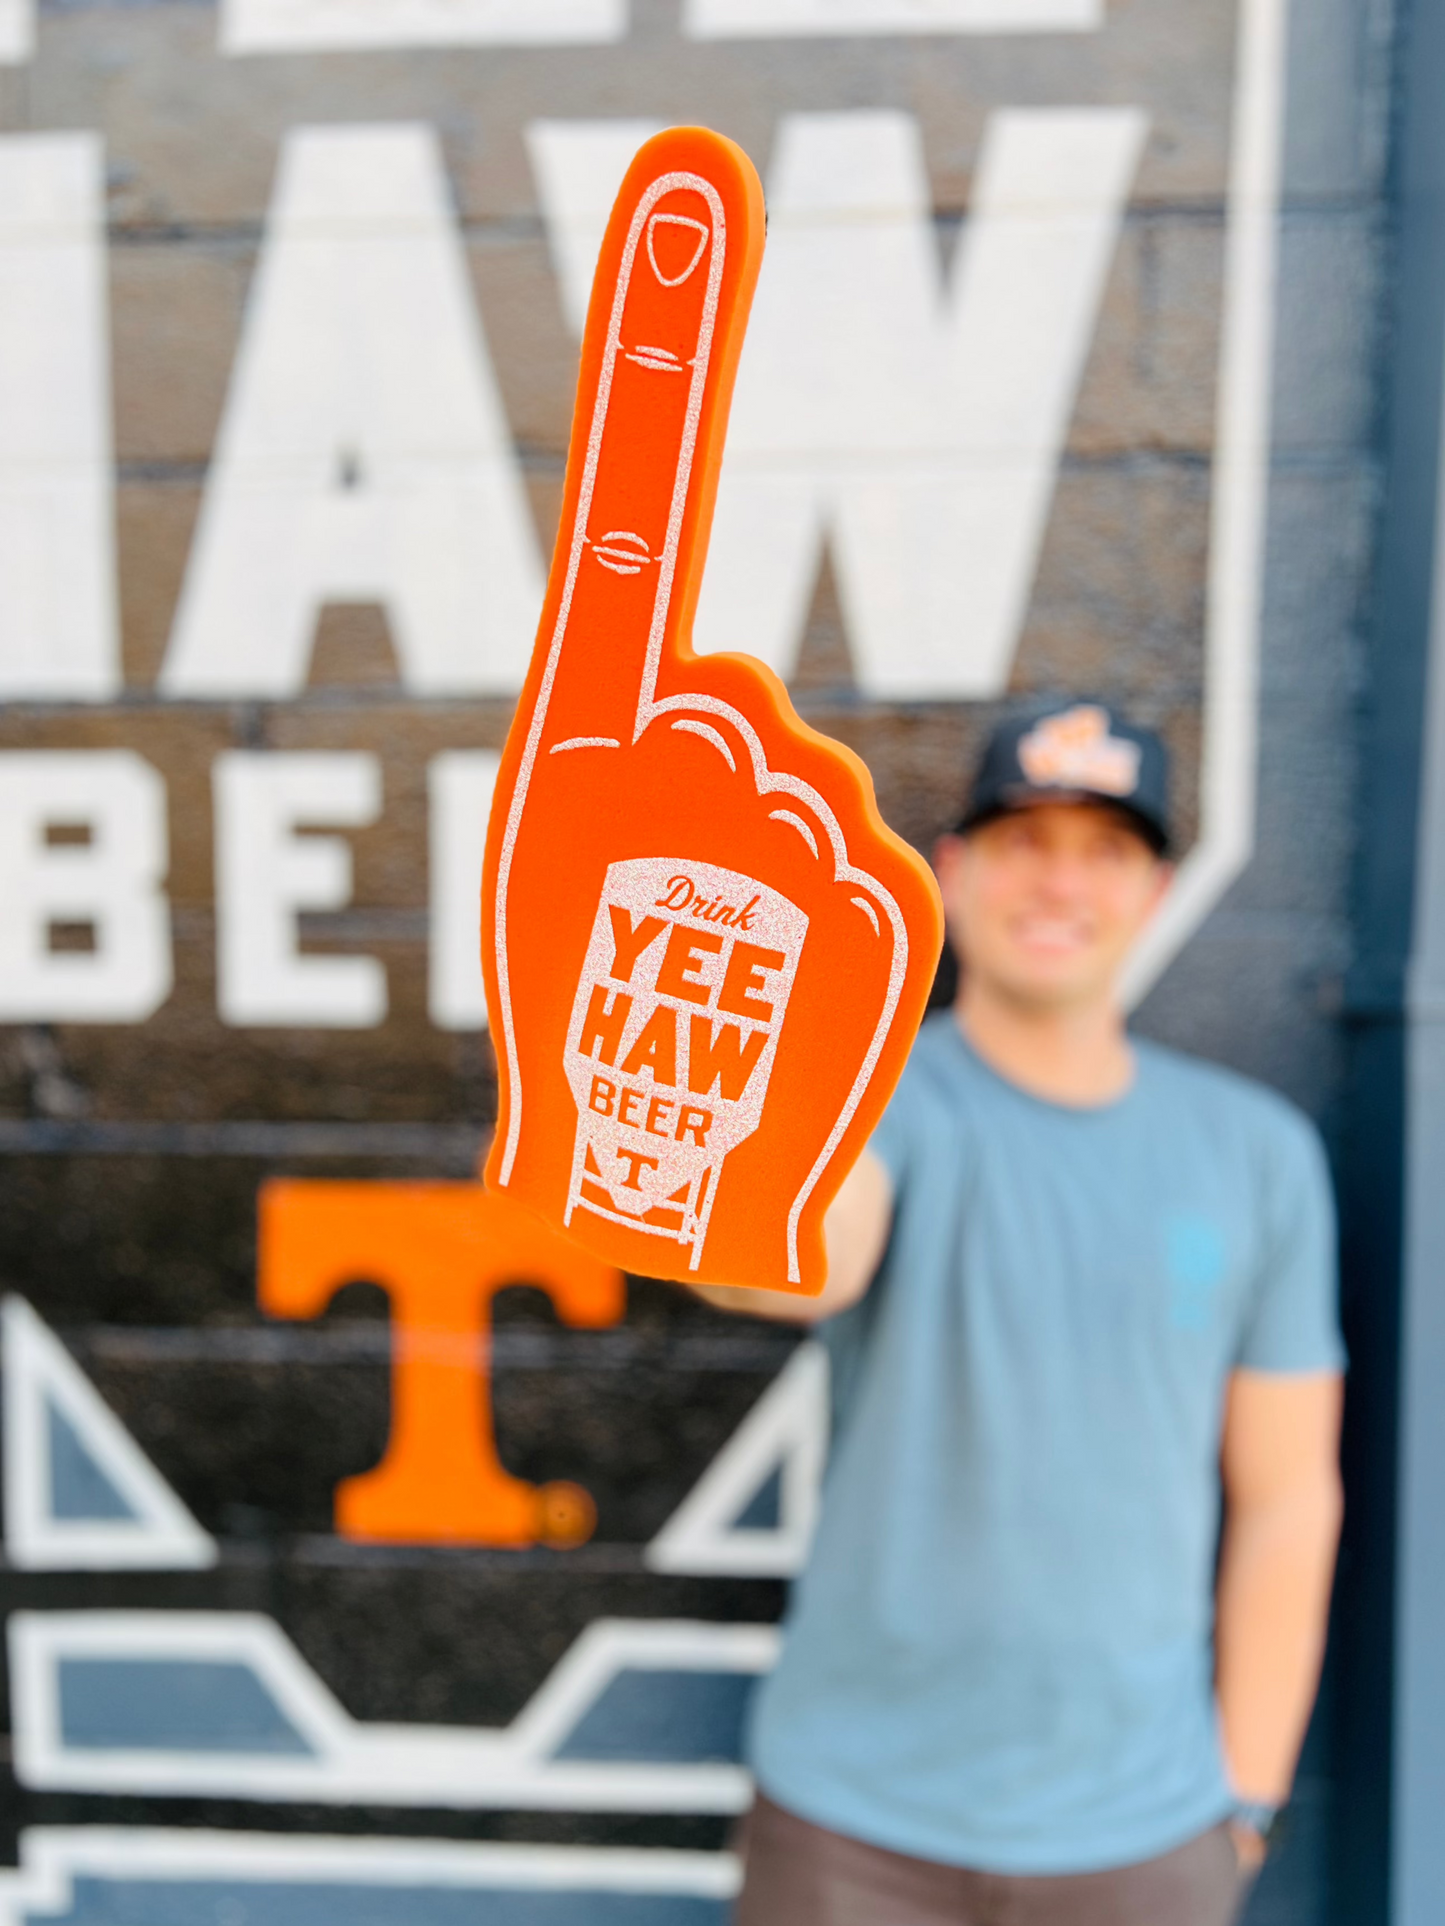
<point>797,1874</point>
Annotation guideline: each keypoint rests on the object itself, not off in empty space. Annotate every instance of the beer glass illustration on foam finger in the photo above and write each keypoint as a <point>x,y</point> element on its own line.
<point>706,956</point>
<point>671,1071</point>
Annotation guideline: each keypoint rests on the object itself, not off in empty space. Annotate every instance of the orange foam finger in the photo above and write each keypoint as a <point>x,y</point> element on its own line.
<point>706,955</point>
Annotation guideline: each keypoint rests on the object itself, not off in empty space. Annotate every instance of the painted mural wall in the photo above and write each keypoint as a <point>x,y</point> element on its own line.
<point>368,1554</point>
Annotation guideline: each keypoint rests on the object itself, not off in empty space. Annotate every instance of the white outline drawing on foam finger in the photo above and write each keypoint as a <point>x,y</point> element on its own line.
<point>675,220</point>
<point>665,184</point>
<point>795,821</point>
<point>766,780</point>
<point>708,734</point>
<point>622,551</point>
<point>660,360</point>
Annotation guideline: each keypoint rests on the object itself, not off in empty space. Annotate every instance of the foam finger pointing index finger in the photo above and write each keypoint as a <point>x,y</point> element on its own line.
<point>663,333</point>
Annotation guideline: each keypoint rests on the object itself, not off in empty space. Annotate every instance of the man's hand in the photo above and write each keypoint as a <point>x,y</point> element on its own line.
<point>1283,1505</point>
<point>1249,1848</point>
<point>706,956</point>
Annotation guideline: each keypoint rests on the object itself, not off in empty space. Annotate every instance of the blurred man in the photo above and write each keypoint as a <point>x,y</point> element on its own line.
<point>1080,1286</point>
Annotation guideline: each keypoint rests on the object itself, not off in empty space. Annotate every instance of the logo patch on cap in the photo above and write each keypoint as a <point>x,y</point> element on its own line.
<point>1075,750</point>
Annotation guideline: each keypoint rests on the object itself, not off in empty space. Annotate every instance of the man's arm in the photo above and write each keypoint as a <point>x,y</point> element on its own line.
<point>855,1231</point>
<point>1283,1505</point>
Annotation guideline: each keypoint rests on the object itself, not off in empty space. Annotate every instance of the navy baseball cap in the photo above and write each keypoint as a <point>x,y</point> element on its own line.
<point>1074,751</point>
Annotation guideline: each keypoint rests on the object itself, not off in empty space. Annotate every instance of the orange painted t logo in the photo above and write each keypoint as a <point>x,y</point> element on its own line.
<point>441,1252</point>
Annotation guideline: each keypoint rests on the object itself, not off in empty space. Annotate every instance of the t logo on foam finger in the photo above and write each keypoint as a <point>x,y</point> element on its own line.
<point>706,955</point>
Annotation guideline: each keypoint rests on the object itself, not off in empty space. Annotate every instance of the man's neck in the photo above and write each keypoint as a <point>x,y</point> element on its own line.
<point>1079,1056</point>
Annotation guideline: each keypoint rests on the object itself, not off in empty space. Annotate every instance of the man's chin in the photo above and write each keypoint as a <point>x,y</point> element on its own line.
<point>1054,986</point>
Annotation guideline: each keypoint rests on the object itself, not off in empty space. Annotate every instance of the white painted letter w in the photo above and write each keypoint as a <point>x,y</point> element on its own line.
<point>917,430</point>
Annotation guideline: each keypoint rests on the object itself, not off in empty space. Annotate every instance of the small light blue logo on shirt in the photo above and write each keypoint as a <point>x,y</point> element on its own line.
<point>1196,1259</point>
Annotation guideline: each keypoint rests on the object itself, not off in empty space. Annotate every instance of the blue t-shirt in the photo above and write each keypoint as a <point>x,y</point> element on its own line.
<point>1000,1653</point>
